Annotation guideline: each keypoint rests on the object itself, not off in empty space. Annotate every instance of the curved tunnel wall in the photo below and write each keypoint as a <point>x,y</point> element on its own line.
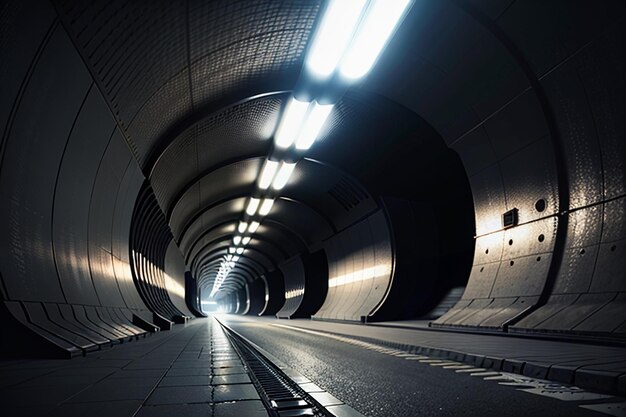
<point>360,265</point>
<point>192,295</point>
<point>154,254</point>
<point>430,252</point>
<point>69,183</point>
<point>274,292</point>
<point>256,291</point>
<point>174,276</point>
<point>534,116</point>
<point>306,285</point>
<point>293,273</point>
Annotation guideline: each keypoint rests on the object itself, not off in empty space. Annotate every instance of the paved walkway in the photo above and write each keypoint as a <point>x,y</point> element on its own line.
<point>189,371</point>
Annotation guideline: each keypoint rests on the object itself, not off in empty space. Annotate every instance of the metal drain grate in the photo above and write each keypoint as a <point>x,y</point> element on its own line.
<point>281,396</point>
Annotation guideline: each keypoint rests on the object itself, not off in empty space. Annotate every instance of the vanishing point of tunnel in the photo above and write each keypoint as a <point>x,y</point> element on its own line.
<point>285,208</point>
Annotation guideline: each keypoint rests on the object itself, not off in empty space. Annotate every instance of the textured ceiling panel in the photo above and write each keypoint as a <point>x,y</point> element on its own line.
<point>134,48</point>
<point>219,214</point>
<point>329,190</point>
<point>170,103</point>
<point>253,255</point>
<point>176,163</point>
<point>285,239</point>
<point>237,132</point>
<point>251,266</point>
<point>242,129</point>
<point>209,236</point>
<point>269,250</point>
<point>157,61</point>
<point>249,42</point>
<point>222,184</point>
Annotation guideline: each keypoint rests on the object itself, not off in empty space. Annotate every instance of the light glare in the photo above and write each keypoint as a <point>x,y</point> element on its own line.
<point>371,37</point>
<point>242,227</point>
<point>252,206</point>
<point>245,240</point>
<point>239,251</point>
<point>283,175</point>
<point>291,122</point>
<point>269,171</point>
<point>266,206</point>
<point>237,240</point>
<point>333,36</point>
<point>314,122</point>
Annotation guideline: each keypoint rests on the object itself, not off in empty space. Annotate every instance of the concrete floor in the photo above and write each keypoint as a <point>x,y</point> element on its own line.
<point>193,371</point>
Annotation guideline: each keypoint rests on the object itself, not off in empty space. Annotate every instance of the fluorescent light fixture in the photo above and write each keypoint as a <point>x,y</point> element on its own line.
<point>237,240</point>
<point>266,206</point>
<point>239,251</point>
<point>373,33</point>
<point>231,250</point>
<point>333,36</point>
<point>231,264</point>
<point>253,227</point>
<point>253,204</point>
<point>245,240</point>
<point>235,258</point>
<point>269,171</point>
<point>229,257</point>
<point>291,122</point>
<point>283,175</point>
<point>242,227</point>
<point>314,122</point>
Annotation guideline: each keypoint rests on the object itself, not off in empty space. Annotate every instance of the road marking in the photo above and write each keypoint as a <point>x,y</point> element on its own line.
<point>519,382</point>
<point>488,373</point>
<point>470,369</point>
<point>444,364</point>
<point>612,409</point>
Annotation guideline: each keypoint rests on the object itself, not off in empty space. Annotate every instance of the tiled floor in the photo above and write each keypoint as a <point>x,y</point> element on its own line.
<point>190,371</point>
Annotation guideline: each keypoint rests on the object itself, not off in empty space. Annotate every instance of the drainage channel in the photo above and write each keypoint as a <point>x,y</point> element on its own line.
<point>282,396</point>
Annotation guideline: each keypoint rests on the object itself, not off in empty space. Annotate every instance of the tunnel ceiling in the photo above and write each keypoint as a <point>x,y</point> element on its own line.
<point>137,136</point>
<point>198,89</point>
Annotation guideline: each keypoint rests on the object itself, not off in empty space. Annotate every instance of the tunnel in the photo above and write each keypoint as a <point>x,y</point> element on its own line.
<point>313,208</point>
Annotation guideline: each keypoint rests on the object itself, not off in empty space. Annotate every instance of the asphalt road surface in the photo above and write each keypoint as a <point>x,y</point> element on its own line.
<point>378,384</point>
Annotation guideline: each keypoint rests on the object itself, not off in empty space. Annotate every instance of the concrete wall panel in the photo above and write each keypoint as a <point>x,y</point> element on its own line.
<point>89,139</point>
<point>108,180</point>
<point>359,260</point>
<point>174,274</point>
<point>31,159</point>
<point>293,273</point>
